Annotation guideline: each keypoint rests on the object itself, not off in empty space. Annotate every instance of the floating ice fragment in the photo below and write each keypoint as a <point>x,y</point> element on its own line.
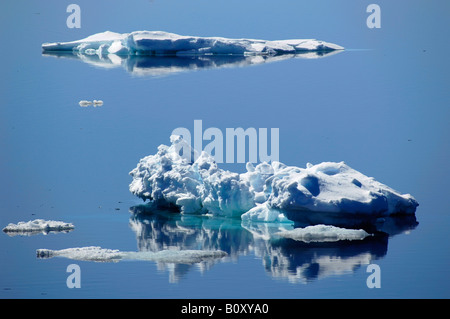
<point>95,103</point>
<point>98,254</point>
<point>84,103</point>
<point>91,253</point>
<point>37,226</point>
<point>323,233</point>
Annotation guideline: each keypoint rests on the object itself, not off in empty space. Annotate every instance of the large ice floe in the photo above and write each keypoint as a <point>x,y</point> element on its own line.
<point>328,192</point>
<point>37,226</point>
<point>165,43</point>
<point>157,53</point>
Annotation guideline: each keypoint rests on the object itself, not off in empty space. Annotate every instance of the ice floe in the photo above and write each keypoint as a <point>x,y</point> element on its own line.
<point>156,53</point>
<point>323,233</point>
<point>37,226</point>
<point>95,103</point>
<point>84,103</point>
<point>159,43</point>
<point>177,175</point>
<point>99,254</point>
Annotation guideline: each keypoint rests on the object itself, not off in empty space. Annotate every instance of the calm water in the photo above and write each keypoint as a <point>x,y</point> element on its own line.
<point>382,106</point>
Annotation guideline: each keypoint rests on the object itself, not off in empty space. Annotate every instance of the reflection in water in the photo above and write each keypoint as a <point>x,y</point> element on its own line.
<point>166,65</point>
<point>296,261</point>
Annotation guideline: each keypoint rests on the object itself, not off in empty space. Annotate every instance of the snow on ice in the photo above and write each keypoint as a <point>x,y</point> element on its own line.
<point>37,226</point>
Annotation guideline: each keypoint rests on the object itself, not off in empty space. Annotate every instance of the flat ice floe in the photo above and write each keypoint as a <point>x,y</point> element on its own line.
<point>323,233</point>
<point>98,254</point>
<point>157,53</point>
<point>165,43</point>
<point>37,226</point>
<point>266,192</point>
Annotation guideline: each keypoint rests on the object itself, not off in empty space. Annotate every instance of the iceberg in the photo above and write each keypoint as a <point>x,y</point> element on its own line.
<point>37,226</point>
<point>160,43</point>
<point>178,176</point>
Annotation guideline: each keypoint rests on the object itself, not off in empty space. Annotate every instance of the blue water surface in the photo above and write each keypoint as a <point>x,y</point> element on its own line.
<point>382,106</point>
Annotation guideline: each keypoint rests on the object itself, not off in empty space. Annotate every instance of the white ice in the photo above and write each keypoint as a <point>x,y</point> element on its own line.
<point>85,103</point>
<point>323,233</point>
<point>165,43</point>
<point>37,226</point>
<point>98,254</point>
<point>267,192</point>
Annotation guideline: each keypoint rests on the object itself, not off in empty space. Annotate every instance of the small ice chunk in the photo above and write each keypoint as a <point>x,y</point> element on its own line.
<point>264,213</point>
<point>37,226</point>
<point>90,51</point>
<point>95,103</point>
<point>323,233</point>
<point>84,103</point>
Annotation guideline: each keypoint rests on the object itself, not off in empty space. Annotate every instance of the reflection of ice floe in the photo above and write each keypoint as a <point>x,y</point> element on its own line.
<point>178,175</point>
<point>37,226</point>
<point>157,66</point>
<point>163,43</point>
<point>298,261</point>
<point>303,262</point>
<point>98,254</point>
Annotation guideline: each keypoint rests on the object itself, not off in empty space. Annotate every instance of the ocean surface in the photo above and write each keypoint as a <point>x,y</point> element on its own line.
<point>381,106</point>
